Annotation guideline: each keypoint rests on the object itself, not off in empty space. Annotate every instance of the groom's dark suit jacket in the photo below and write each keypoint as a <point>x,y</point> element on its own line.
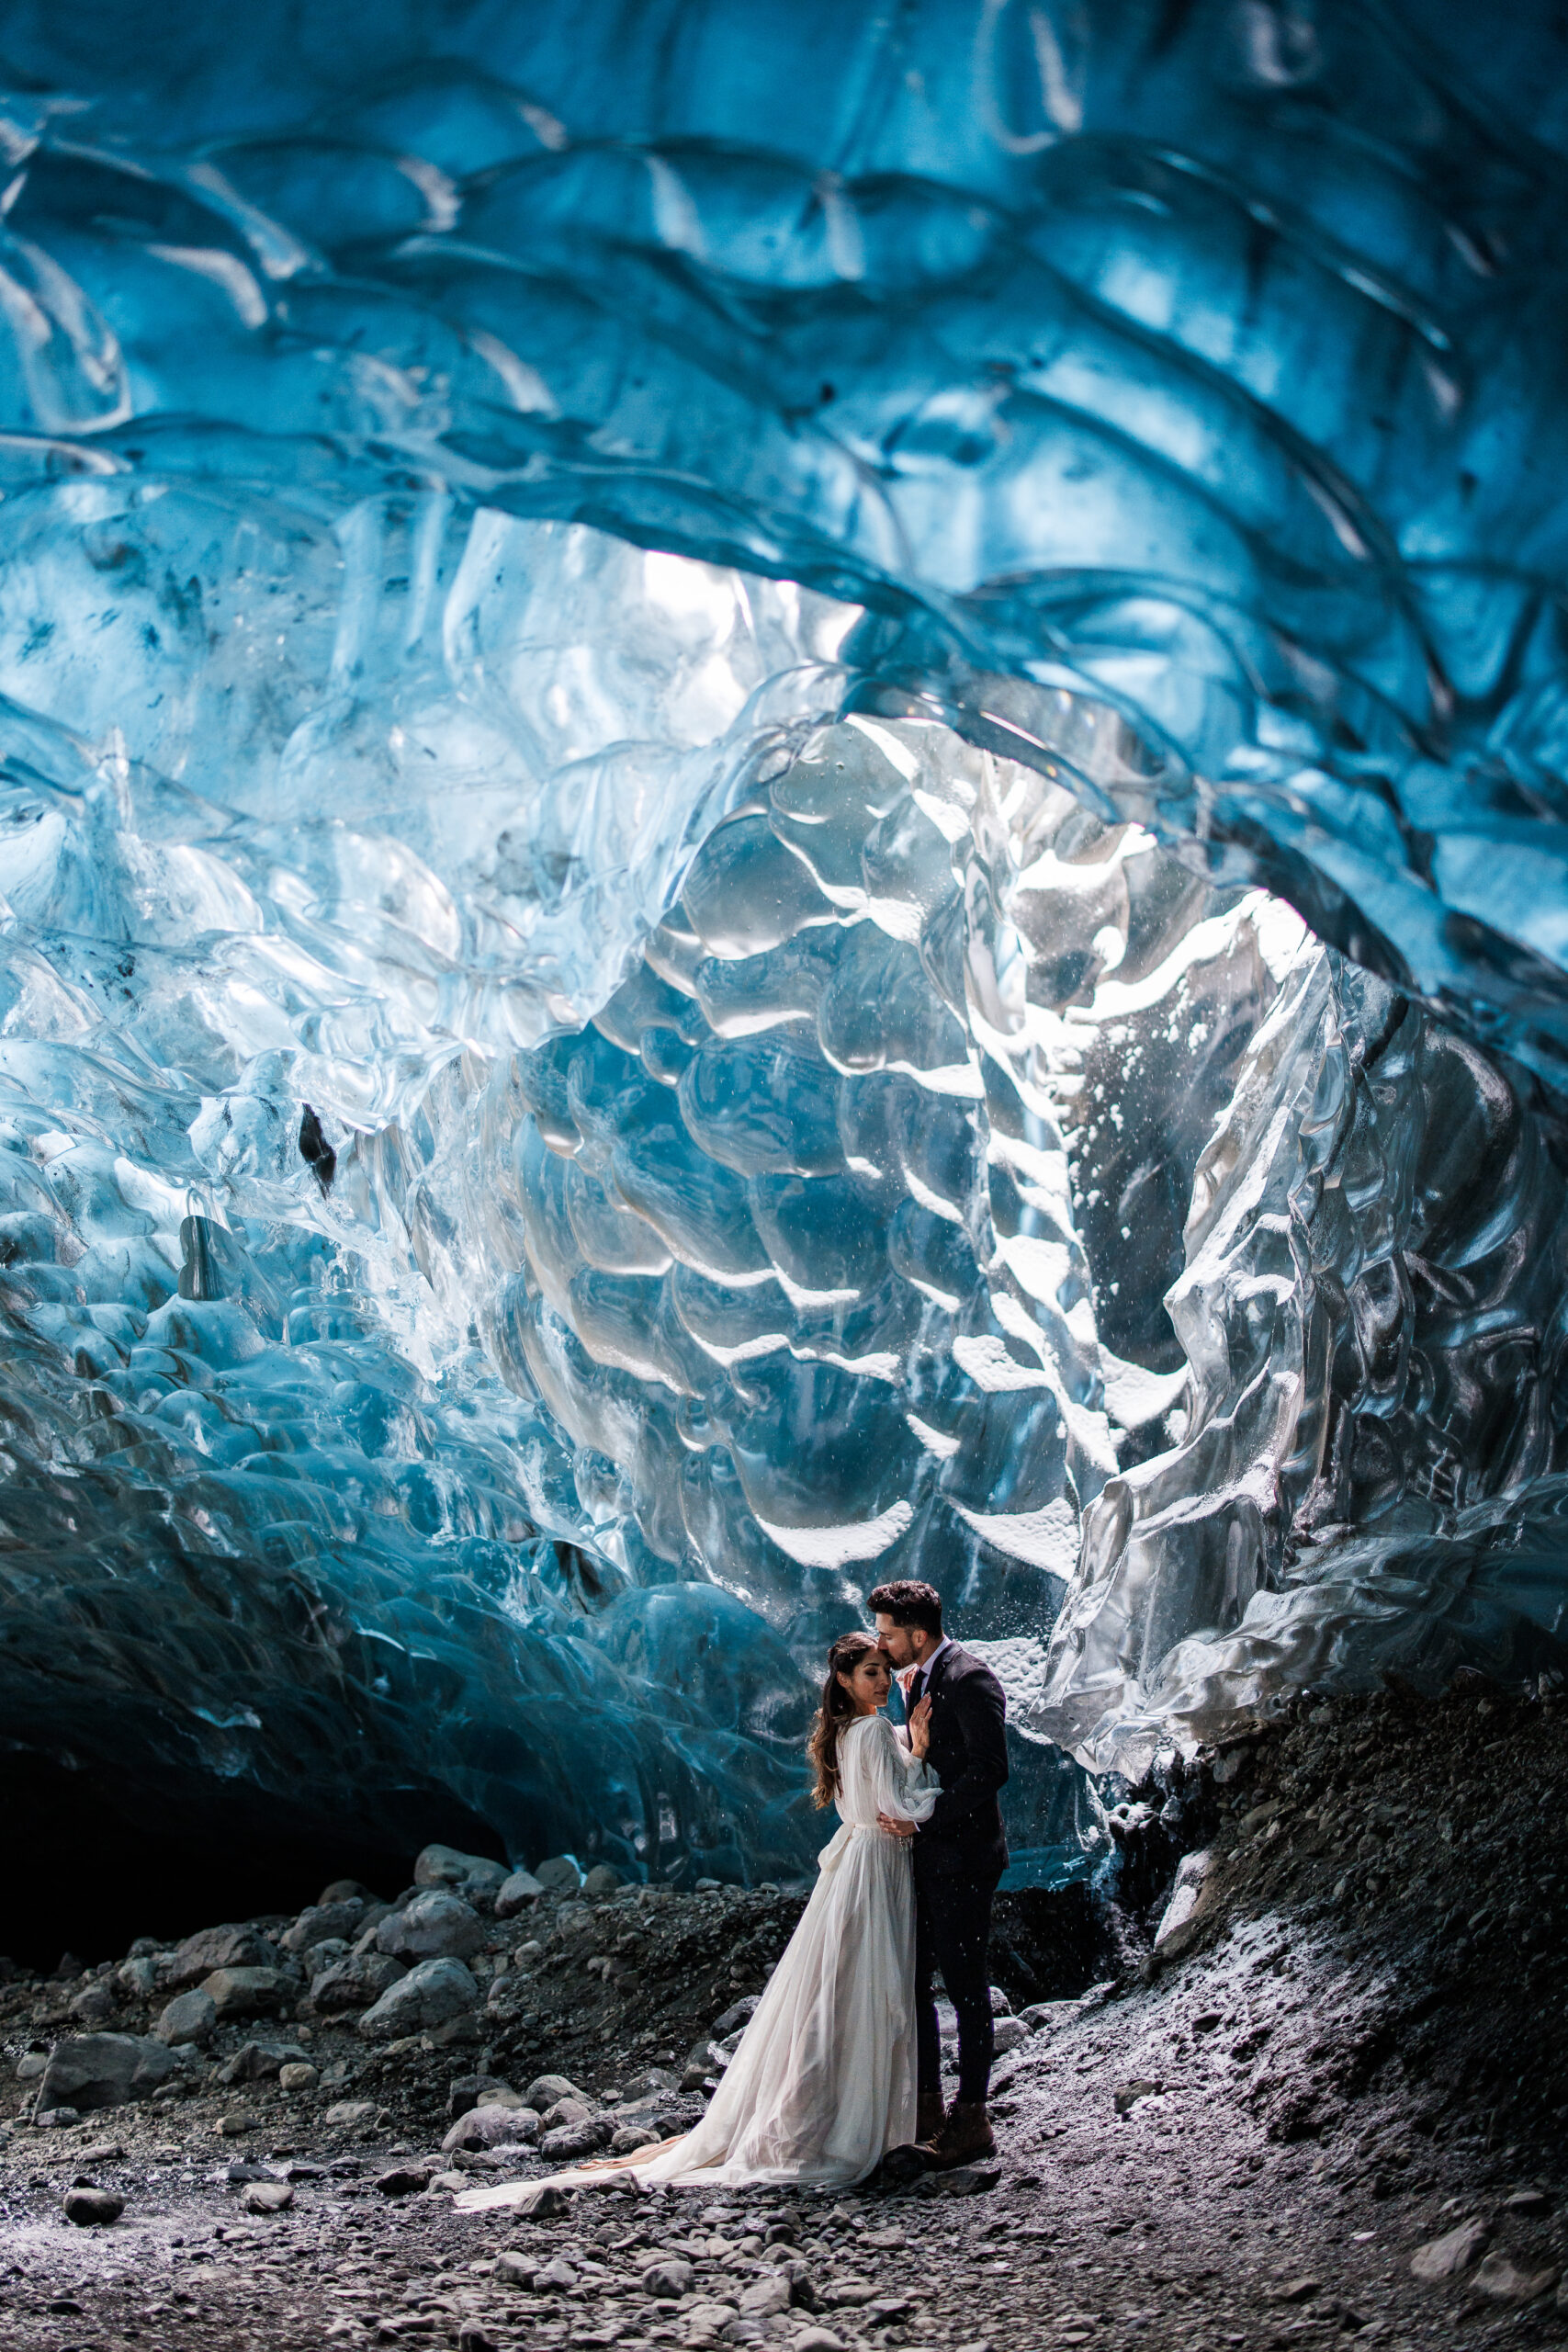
<point>968,1754</point>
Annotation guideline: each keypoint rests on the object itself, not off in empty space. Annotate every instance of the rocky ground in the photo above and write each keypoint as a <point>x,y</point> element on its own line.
<point>1330,2103</point>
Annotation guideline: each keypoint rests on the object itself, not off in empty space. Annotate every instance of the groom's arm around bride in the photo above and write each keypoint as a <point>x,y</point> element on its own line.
<point>960,1854</point>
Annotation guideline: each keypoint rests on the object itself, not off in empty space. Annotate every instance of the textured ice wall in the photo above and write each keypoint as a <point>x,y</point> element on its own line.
<point>1180,399</point>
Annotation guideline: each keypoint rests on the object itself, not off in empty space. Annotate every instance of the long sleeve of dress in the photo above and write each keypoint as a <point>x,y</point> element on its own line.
<point>901,1786</point>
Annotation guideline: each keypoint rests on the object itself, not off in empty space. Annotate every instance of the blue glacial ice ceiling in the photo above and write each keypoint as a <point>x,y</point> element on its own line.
<point>674,684</point>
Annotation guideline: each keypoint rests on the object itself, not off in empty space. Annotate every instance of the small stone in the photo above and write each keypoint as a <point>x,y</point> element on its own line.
<point>1499,2279</point>
<point>235,2124</point>
<point>515,1893</point>
<point>89,2207</point>
<point>447,2184</point>
<point>30,2065</point>
<point>1010,2033</point>
<point>765,2297</point>
<point>558,2273</point>
<point>260,2062</point>
<point>817,2339</point>
<point>189,2017</point>
<point>471,2337</point>
<point>1451,2255</point>
<point>101,2151</point>
<point>1128,2095</point>
<point>630,2137</point>
<point>297,2075</point>
<point>543,2202</point>
<point>1297,2290</point>
<point>267,2197</point>
<point>58,2119</point>
<point>352,2114</point>
<point>602,1880</point>
<point>403,2180</point>
<point>1530,2204</point>
<point>514,2269</point>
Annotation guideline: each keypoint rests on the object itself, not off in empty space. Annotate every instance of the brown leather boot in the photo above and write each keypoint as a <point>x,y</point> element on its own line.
<point>930,2115</point>
<point>966,2135</point>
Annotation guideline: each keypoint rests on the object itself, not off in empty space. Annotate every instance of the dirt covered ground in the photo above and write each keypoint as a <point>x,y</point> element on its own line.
<point>1353,2057</point>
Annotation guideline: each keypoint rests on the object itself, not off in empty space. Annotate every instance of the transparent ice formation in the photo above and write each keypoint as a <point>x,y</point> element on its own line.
<point>674,684</point>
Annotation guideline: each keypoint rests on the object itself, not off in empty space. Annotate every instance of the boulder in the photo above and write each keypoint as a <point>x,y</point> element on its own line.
<point>95,2004</point>
<point>353,1983</point>
<point>568,2142</point>
<point>1504,2282</point>
<point>87,2207</point>
<point>738,2013</point>
<point>138,1977</point>
<point>544,2089</point>
<point>318,1958</point>
<point>627,2138</point>
<point>603,1879</point>
<point>404,2180</point>
<point>431,1994</point>
<point>267,2197</point>
<point>322,1922</point>
<point>566,2111</point>
<point>444,1866</point>
<point>1451,2255</point>
<point>492,2127</point>
<point>1010,2033</point>
<point>515,1893</point>
<point>219,1948</point>
<point>560,1875</point>
<point>297,2075</point>
<point>244,1992</point>
<point>189,2017</point>
<point>435,1926</point>
<point>93,2069</point>
<point>764,2298</point>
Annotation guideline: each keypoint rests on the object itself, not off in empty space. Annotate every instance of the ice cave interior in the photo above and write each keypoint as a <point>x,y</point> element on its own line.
<point>784,799</point>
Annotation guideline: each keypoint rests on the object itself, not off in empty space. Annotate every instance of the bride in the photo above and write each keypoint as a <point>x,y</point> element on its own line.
<point>823,2083</point>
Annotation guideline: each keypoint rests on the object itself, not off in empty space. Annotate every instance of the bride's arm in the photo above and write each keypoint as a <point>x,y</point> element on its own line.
<point>905,1787</point>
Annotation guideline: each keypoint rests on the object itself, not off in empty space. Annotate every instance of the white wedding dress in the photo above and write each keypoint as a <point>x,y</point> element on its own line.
<point>823,2083</point>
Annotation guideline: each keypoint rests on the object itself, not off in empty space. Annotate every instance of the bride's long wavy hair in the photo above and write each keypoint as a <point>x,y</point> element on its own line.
<point>837,1710</point>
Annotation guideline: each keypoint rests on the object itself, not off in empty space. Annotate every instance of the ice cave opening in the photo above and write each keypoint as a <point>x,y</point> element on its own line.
<point>730,864</point>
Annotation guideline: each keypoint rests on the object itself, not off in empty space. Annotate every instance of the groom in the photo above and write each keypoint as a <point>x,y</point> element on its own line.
<point>960,1854</point>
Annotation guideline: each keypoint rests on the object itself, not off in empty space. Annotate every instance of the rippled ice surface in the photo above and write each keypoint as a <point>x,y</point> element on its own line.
<point>649,701</point>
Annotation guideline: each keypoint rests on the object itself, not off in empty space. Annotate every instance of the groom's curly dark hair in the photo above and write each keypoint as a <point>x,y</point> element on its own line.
<point>909,1603</point>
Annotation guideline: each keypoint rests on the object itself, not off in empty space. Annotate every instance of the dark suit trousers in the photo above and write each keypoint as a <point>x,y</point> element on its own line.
<point>952,1931</point>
